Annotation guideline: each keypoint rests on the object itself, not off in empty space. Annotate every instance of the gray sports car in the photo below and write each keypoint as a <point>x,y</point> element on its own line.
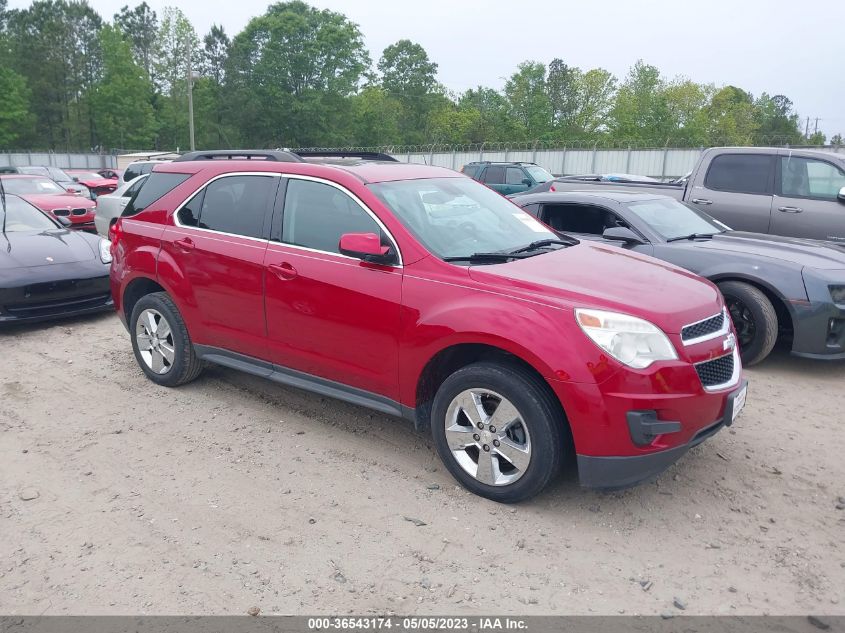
<point>773,286</point>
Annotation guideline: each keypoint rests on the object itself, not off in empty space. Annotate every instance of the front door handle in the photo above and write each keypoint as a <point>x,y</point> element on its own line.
<point>283,271</point>
<point>185,244</point>
<point>701,201</point>
<point>790,209</point>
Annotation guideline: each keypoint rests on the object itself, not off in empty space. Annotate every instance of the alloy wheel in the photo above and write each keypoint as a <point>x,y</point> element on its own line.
<point>155,341</point>
<point>743,320</point>
<point>488,437</point>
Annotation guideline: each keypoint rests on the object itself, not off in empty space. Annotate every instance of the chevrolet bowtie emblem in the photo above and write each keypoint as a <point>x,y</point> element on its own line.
<point>729,343</point>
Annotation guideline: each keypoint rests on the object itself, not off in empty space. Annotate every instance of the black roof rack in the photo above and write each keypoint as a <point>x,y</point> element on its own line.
<point>307,153</point>
<point>241,154</point>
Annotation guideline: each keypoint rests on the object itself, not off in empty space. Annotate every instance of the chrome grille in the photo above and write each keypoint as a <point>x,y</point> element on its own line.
<point>703,328</point>
<point>716,372</point>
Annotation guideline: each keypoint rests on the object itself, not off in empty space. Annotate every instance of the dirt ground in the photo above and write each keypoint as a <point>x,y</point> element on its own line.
<point>118,497</point>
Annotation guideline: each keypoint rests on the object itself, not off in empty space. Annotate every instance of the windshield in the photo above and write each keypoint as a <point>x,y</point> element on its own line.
<point>671,219</point>
<point>22,216</point>
<point>455,217</point>
<point>539,174</point>
<point>23,186</point>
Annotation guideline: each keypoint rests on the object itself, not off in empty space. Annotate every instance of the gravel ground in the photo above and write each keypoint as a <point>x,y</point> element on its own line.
<point>118,496</point>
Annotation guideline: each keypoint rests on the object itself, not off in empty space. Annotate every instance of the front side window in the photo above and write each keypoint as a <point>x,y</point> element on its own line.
<point>317,214</point>
<point>809,178</point>
<point>22,216</point>
<point>580,218</point>
<point>456,217</point>
<point>671,219</point>
<point>234,204</point>
<point>514,176</point>
<point>740,173</point>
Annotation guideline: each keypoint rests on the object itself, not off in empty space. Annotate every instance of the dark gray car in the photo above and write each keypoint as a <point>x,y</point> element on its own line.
<point>773,286</point>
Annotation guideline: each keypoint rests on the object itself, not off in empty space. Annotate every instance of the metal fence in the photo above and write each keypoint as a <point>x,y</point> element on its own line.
<point>58,159</point>
<point>664,163</point>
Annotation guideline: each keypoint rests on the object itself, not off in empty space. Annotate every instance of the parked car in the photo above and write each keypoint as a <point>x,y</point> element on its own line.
<point>110,206</point>
<point>773,286</point>
<point>418,292</point>
<point>55,174</point>
<point>97,184</point>
<point>507,178</point>
<point>780,191</point>
<point>46,271</point>
<point>138,168</point>
<point>52,199</point>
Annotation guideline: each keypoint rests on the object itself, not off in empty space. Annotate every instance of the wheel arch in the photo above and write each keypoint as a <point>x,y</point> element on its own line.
<point>453,357</point>
<point>782,307</point>
<point>135,289</point>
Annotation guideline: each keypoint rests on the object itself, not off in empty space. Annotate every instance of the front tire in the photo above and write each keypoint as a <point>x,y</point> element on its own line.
<point>161,341</point>
<point>754,319</point>
<point>499,431</point>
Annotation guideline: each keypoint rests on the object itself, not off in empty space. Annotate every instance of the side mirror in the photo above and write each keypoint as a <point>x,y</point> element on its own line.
<point>367,247</point>
<point>73,192</point>
<point>622,234</point>
<point>527,181</point>
<point>65,222</point>
<point>841,195</point>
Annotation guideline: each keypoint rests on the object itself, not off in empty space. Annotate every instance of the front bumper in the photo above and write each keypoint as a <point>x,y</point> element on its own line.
<point>50,294</point>
<point>819,324</point>
<point>621,472</point>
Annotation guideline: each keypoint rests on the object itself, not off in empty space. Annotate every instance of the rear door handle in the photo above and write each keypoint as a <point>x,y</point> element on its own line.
<point>283,271</point>
<point>701,201</point>
<point>185,244</point>
<point>790,209</point>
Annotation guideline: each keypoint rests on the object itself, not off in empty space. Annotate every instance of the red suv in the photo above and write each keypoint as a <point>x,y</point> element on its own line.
<point>421,293</point>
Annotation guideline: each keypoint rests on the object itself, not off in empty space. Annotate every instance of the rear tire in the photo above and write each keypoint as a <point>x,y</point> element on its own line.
<point>754,319</point>
<point>519,447</point>
<point>161,341</point>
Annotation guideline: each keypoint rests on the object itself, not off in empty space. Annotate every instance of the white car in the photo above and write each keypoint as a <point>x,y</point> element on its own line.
<point>109,207</point>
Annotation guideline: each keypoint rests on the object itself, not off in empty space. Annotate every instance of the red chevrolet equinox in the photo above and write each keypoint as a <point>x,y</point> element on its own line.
<point>421,293</point>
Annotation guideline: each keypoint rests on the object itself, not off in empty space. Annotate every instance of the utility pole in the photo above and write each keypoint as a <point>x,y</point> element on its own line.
<point>190,97</point>
<point>807,129</point>
<point>816,130</point>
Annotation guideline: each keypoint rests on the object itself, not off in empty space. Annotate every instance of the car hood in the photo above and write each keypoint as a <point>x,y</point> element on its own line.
<point>606,277</point>
<point>48,202</point>
<point>803,253</point>
<point>26,249</point>
<point>100,182</point>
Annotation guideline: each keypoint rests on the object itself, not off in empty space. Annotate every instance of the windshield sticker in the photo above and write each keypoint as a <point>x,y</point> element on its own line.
<point>531,223</point>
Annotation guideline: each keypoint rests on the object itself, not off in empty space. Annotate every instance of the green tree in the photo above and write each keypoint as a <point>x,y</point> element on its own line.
<point>596,88</point>
<point>732,117</point>
<point>290,74</point>
<point>410,77</point>
<point>177,46</point>
<point>376,118</point>
<point>140,27</point>
<point>123,119</point>
<point>489,112</point>
<point>15,119</point>
<point>529,101</point>
<point>640,111</point>
<point>686,104</point>
<point>562,85</point>
<point>777,122</point>
<point>837,140</point>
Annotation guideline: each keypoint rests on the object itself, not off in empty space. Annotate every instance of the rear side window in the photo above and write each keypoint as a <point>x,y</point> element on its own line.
<point>154,188</point>
<point>470,170</point>
<point>514,176</point>
<point>740,173</point>
<point>494,175</point>
<point>234,204</point>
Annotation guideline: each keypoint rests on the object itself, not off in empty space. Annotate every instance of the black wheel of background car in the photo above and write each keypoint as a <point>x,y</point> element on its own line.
<point>754,319</point>
<point>161,341</point>
<point>499,431</point>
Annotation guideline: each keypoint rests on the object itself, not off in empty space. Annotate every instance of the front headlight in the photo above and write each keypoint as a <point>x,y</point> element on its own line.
<point>837,293</point>
<point>632,341</point>
<point>105,251</point>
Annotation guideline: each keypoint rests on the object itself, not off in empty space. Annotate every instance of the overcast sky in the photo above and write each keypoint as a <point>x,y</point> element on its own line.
<point>775,46</point>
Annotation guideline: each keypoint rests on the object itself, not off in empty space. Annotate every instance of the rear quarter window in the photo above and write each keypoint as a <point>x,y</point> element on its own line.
<point>155,186</point>
<point>470,170</point>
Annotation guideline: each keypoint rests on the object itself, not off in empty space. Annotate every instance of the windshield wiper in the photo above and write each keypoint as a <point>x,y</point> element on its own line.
<point>694,236</point>
<point>533,246</point>
<point>485,257</point>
